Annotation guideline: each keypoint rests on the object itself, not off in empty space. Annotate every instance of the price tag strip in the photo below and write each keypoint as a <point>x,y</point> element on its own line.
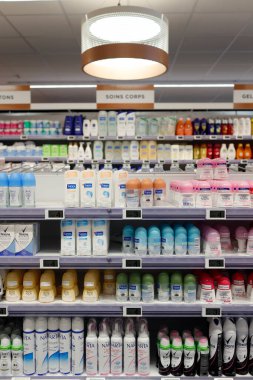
<point>132,263</point>
<point>239,137</point>
<point>129,311</point>
<point>215,263</point>
<point>20,378</point>
<point>160,137</point>
<point>180,137</point>
<point>55,214</point>
<point>216,214</point>
<point>132,213</point>
<point>49,263</point>
<point>211,311</point>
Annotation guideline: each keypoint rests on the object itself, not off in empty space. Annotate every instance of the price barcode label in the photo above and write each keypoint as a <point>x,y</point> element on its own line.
<point>120,137</point>
<point>132,213</point>
<point>138,137</point>
<point>160,137</point>
<point>132,311</point>
<point>213,137</point>
<point>86,137</point>
<point>227,137</point>
<point>95,378</point>
<point>70,161</point>
<point>20,378</point>
<point>244,162</point>
<point>180,137</point>
<point>108,161</point>
<point>132,263</point>
<point>211,311</point>
<point>215,214</point>
<point>55,214</point>
<point>45,159</point>
<point>71,138</point>
<point>4,311</point>
<point>213,263</point>
<point>49,263</point>
<point>239,137</point>
<point>197,137</point>
<point>23,137</point>
<point>101,137</point>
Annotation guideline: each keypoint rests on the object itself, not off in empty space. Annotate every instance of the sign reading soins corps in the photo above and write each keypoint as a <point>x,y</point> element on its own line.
<point>243,96</point>
<point>125,97</point>
<point>15,97</point>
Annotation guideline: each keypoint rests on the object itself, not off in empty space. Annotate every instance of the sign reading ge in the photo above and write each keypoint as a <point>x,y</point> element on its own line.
<point>125,97</point>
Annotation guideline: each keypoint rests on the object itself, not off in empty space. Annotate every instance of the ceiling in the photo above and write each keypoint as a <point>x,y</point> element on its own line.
<point>210,41</point>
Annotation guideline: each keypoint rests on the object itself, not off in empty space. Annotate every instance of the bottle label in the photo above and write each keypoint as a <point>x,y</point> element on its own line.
<point>176,293</point>
<point>167,246</point>
<point>204,199</point>
<point>143,351</point>
<point>189,358</point>
<point>147,293</point>
<point>224,199</point>
<point>242,199</point>
<point>163,293</point>
<point>190,294</point>
<point>229,349</point>
<point>91,358</point>
<point>132,198</point>
<point>187,201</point>
<point>116,357</point>
<point>165,357</point>
<point>242,349</point>
<point>134,293</point>
<point>207,295</point>
<point>238,292</point>
<point>122,292</point>
<point>224,294</point>
<point>176,358</point>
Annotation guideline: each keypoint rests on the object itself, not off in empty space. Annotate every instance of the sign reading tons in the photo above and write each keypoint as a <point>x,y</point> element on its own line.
<point>125,97</point>
<point>15,97</point>
<point>243,96</point>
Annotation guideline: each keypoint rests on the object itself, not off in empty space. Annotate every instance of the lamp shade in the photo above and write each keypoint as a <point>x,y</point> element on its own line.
<point>125,43</point>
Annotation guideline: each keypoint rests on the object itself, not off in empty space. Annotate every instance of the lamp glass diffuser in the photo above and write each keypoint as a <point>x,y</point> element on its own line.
<point>125,43</point>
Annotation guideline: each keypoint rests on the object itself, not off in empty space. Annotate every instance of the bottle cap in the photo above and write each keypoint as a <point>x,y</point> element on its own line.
<point>28,179</point>
<point>15,180</point>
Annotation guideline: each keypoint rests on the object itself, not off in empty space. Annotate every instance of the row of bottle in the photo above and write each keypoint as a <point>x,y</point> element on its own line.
<point>228,351</point>
<point>190,194</point>
<point>165,240</point>
<point>11,348</point>
<point>17,190</point>
<point>85,237</point>
<point>227,152</point>
<point>20,149</point>
<point>107,188</point>
<point>30,127</point>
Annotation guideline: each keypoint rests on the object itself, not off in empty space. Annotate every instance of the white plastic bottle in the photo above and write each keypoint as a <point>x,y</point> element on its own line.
<point>91,349</point>
<point>53,345</point>
<point>117,150</point>
<point>100,237</point>
<point>120,179</point>
<point>134,150</point>
<point>75,151</point>
<point>112,123</point>
<point>83,237</point>
<point>81,153</point>
<point>87,152</point>
<point>242,333</point>
<point>94,128</point>
<point>104,188</point>
<point>109,151</point>
<point>223,152</point>
<point>5,355</point>
<point>77,346</point>
<point>129,350</point>
<point>121,124</point>
<point>231,153</point>
<point>29,345</point>
<point>102,123</point>
<point>143,351</point>
<point>71,188</point>
<point>116,350</point>
<point>65,345</point>
<point>103,350</point>
<point>130,124</point>
<point>41,346</point>
<point>29,188</point>
<point>98,150</point>
<point>229,341</point>
<point>125,150</point>
<point>88,188</point>
<point>247,126</point>
<point>86,128</point>
<point>17,356</point>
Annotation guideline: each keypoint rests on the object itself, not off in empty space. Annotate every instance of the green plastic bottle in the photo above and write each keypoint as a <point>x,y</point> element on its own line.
<point>190,288</point>
<point>163,287</point>
<point>148,288</point>
<point>122,287</point>
<point>135,287</point>
<point>176,287</point>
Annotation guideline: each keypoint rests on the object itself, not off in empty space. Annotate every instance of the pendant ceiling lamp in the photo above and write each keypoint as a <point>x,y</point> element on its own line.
<point>125,43</point>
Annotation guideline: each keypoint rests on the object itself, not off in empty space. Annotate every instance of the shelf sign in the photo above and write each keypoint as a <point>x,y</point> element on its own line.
<point>132,263</point>
<point>214,263</point>
<point>211,311</point>
<point>125,97</point>
<point>243,96</point>
<point>132,213</point>
<point>215,214</point>
<point>55,214</point>
<point>132,311</point>
<point>4,311</point>
<point>49,263</point>
<point>15,97</point>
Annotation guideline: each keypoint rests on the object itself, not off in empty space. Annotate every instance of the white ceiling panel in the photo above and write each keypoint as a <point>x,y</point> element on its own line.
<point>6,30</point>
<point>14,46</point>
<point>31,8</point>
<point>213,24</point>
<point>188,72</point>
<point>205,44</point>
<point>234,58</point>
<point>242,43</point>
<point>203,58</point>
<point>41,26</point>
<point>54,45</point>
<point>84,6</point>
<point>230,72</point>
<point>224,6</point>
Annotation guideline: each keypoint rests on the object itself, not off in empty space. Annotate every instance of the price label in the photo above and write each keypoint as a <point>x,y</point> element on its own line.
<point>132,263</point>
<point>80,161</point>
<point>45,159</point>
<point>95,161</point>
<point>160,137</point>
<point>213,137</point>
<point>49,263</point>
<point>161,161</point>
<point>55,214</point>
<point>97,378</point>
<point>126,161</point>
<point>132,311</point>
<point>180,137</point>
<point>70,161</point>
<point>239,137</point>
<point>101,137</point>
<point>138,137</point>
<point>135,213</point>
<point>213,263</point>
<point>146,162</point>
<point>244,162</point>
<point>120,137</point>
<point>215,214</point>
<point>71,138</point>
<point>86,137</point>
<point>23,137</point>
<point>20,378</point>
<point>222,378</point>
<point>211,311</point>
<point>108,161</point>
<point>227,137</point>
<point>4,311</point>
<point>173,378</point>
<point>197,137</point>
<point>175,161</point>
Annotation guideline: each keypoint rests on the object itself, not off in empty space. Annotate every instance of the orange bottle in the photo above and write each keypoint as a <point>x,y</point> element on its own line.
<point>240,152</point>
<point>188,129</point>
<point>159,191</point>
<point>147,193</point>
<point>247,152</point>
<point>180,127</point>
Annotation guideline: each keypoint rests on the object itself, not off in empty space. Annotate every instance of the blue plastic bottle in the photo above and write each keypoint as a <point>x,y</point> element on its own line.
<point>167,240</point>
<point>78,125</point>
<point>154,241</point>
<point>210,127</point>
<point>203,126</point>
<point>193,243</point>
<point>128,239</point>
<point>15,189</point>
<point>180,243</point>
<point>141,241</point>
<point>68,128</point>
<point>4,190</point>
<point>196,127</point>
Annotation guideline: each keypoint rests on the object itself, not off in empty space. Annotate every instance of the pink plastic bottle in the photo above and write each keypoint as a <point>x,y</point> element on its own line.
<point>225,239</point>
<point>205,169</point>
<point>241,235</point>
<point>242,196</point>
<point>251,192</point>
<point>212,244</point>
<point>224,194</point>
<point>220,170</point>
<point>203,196</point>
<point>187,196</point>
<point>250,242</point>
